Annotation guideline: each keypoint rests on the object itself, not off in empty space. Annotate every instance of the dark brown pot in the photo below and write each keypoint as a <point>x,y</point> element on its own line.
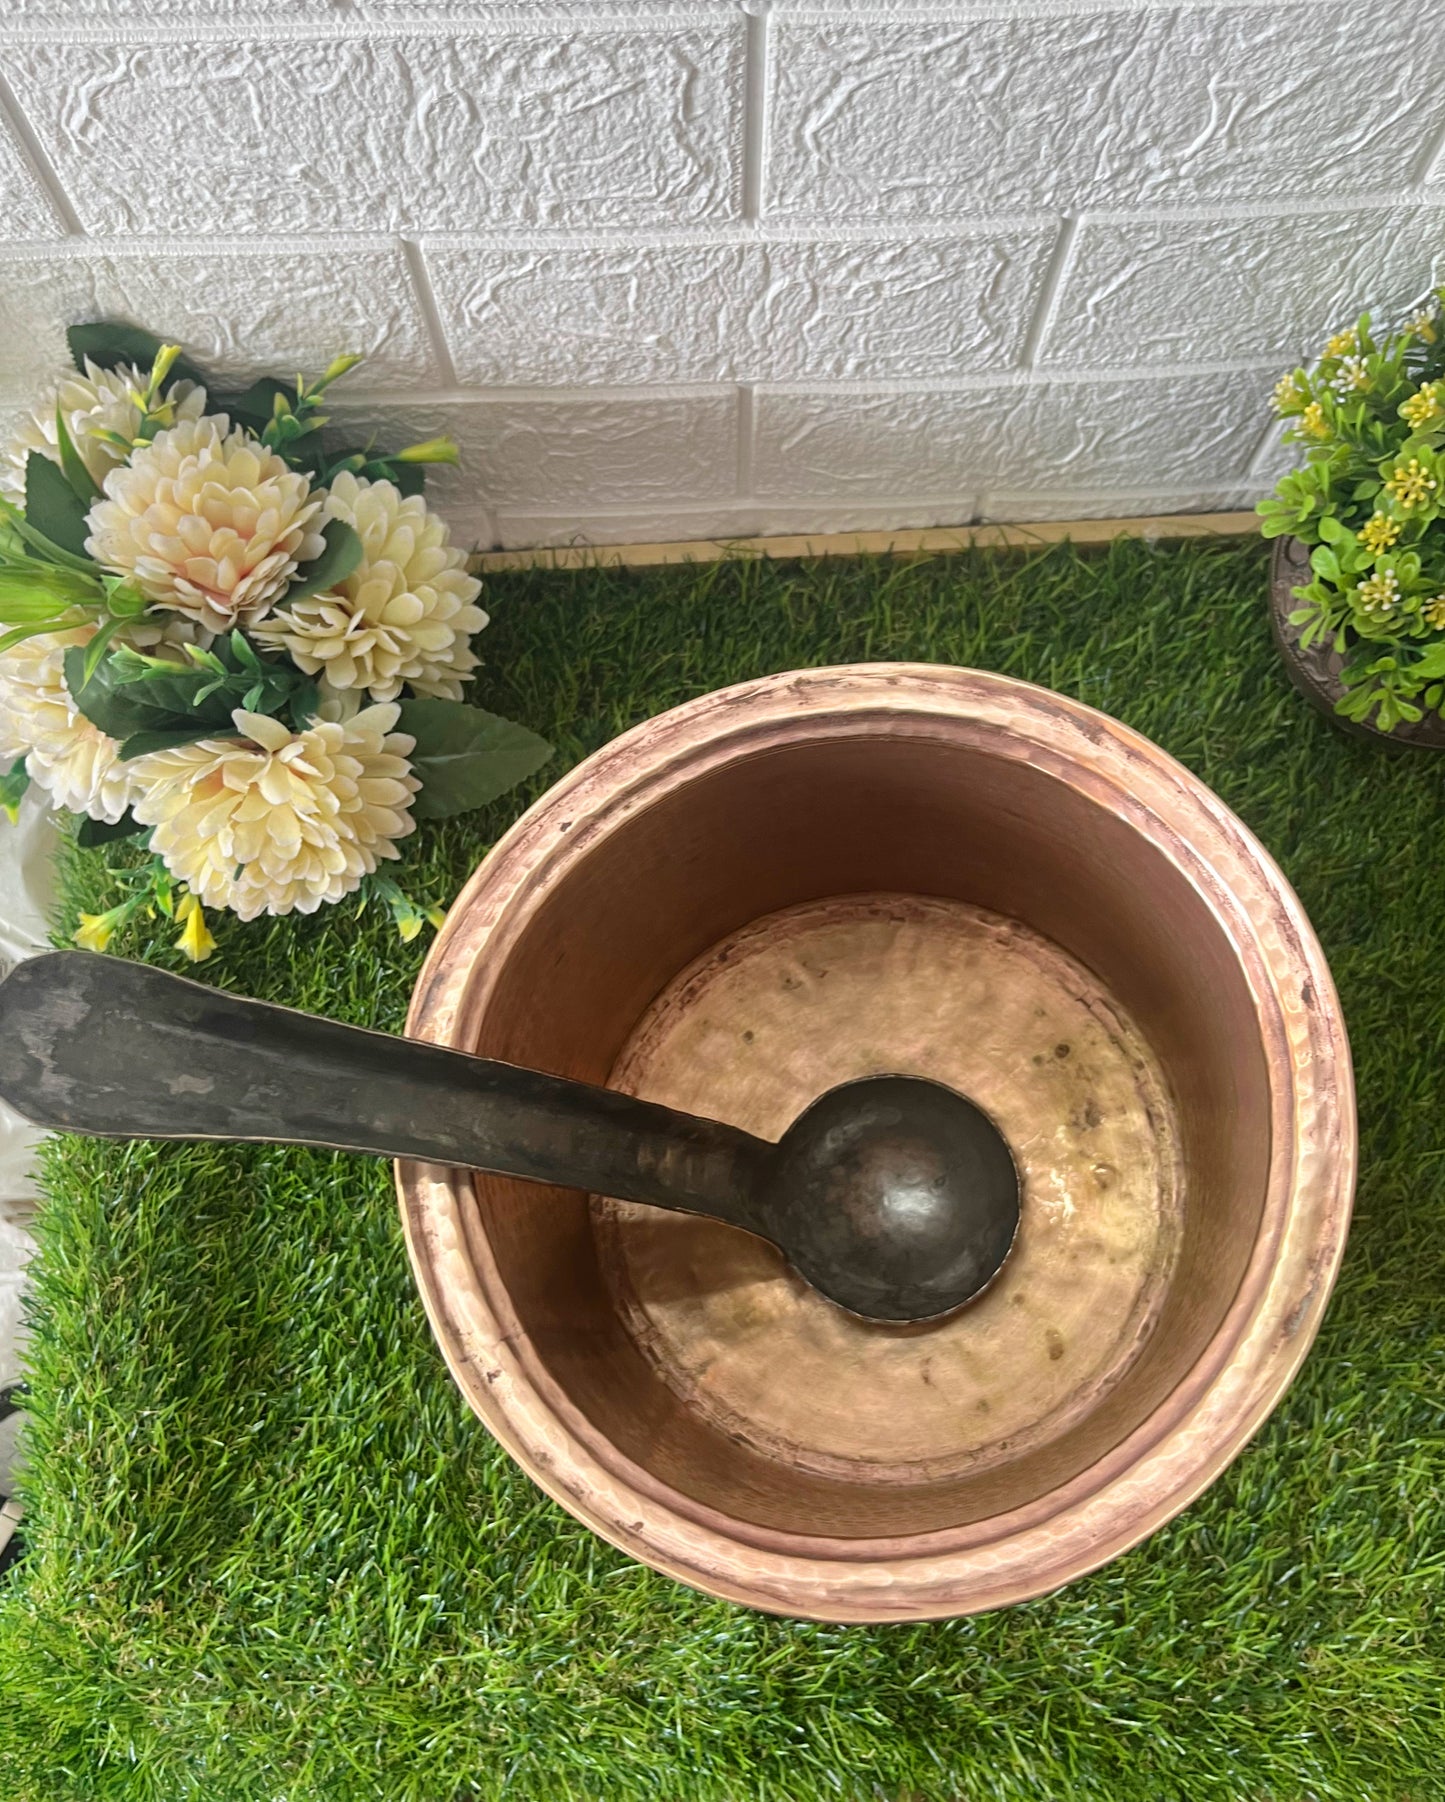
<point>1316,672</point>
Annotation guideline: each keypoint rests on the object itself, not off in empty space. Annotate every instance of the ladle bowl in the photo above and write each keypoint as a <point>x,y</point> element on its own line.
<point>937,873</point>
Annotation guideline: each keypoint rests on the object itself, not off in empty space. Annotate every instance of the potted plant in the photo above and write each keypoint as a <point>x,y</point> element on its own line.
<point>1358,575</point>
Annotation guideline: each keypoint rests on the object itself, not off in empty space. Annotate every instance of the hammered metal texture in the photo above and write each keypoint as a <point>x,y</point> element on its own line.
<point>968,788</point>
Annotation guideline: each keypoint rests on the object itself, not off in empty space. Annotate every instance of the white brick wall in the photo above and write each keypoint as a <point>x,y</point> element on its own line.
<point>713,267</point>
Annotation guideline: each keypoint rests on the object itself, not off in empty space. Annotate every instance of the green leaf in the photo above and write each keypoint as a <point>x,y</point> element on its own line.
<point>102,832</point>
<point>465,757</point>
<point>82,482</point>
<point>104,702</point>
<point>18,634</point>
<point>244,652</point>
<point>256,405</point>
<point>134,697</point>
<point>409,478</point>
<point>342,554</point>
<point>39,591</point>
<point>95,650</point>
<point>122,599</point>
<point>13,785</point>
<point>111,344</point>
<point>255,408</point>
<point>304,704</point>
<point>52,507</point>
<point>353,461</point>
<point>16,522</point>
<point>140,744</point>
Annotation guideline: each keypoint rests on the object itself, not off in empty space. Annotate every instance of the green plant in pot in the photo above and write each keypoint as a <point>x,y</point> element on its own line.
<point>1358,590</point>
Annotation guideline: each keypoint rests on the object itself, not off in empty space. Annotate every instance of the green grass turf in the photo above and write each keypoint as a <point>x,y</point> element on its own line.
<point>273,1556</point>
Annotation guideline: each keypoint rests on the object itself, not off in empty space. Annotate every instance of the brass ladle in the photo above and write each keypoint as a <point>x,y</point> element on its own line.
<point>893,1196</point>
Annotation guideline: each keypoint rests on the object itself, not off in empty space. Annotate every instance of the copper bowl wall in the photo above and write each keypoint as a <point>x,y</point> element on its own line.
<point>954,795</point>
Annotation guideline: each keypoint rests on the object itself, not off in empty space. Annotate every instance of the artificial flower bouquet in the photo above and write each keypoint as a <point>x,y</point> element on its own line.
<point>223,639</point>
<point>1370,497</point>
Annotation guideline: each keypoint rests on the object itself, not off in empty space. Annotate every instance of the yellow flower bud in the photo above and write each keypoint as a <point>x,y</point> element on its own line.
<point>1422,408</point>
<point>165,362</point>
<point>431,450</point>
<point>1379,533</point>
<point>96,930</point>
<point>195,940</point>
<point>336,369</point>
<point>1411,485</point>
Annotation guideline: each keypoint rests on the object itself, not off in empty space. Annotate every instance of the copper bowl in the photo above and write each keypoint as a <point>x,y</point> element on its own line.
<point>951,874</point>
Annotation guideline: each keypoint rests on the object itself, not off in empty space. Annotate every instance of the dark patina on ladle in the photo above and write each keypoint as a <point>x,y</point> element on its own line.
<point>893,1196</point>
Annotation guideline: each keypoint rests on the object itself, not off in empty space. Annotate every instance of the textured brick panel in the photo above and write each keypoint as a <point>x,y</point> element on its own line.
<point>21,13</point>
<point>1185,431</point>
<point>1163,105</point>
<point>1143,503</point>
<point>564,13</point>
<point>26,211</point>
<point>539,453</point>
<point>517,529</point>
<point>242,310</point>
<point>388,132</point>
<point>1274,459</point>
<point>1189,290</point>
<point>746,312</point>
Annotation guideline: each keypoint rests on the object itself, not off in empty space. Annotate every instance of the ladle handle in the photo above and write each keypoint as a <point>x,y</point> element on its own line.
<point>103,1046</point>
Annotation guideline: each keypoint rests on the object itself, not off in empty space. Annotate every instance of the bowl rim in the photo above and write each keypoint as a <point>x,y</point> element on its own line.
<point>1194,1432</point>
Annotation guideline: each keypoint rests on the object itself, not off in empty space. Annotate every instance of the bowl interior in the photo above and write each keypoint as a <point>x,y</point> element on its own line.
<point>847,831</point>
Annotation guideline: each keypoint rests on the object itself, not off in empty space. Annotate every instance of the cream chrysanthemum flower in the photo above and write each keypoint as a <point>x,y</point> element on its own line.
<point>99,400</point>
<point>208,521</point>
<point>74,761</point>
<point>275,820</point>
<point>404,614</point>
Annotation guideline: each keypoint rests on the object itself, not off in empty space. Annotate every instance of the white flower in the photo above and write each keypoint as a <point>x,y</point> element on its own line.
<point>274,820</point>
<point>207,521</point>
<point>74,761</point>
<point>99,400</point>
<point>1350,377</point>
<point>1378,594</point>
<point>405,614</point>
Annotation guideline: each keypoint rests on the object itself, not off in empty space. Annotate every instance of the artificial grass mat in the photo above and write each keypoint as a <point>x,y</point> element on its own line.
<point>272,1555</point>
